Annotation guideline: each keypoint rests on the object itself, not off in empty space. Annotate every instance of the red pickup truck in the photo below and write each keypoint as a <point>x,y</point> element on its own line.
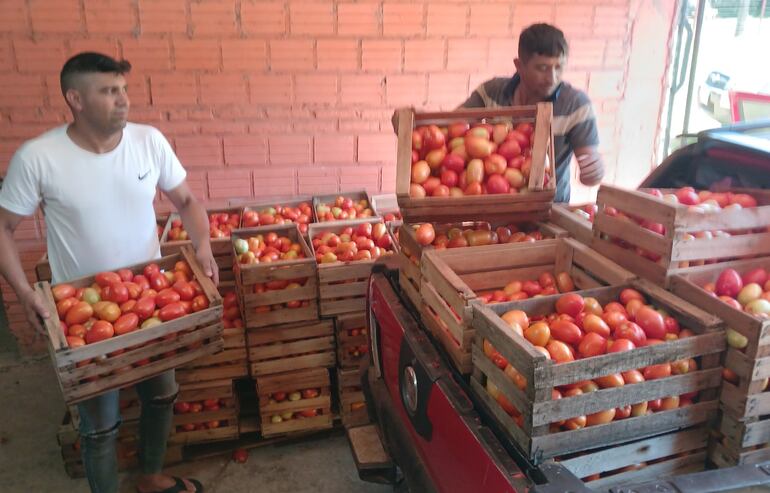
<point>438,437</point>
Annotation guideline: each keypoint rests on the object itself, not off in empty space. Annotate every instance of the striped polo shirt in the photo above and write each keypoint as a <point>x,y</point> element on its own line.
<point>574,124</point>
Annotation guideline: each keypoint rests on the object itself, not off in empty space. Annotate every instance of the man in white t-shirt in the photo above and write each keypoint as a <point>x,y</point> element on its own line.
<point>95,180</point>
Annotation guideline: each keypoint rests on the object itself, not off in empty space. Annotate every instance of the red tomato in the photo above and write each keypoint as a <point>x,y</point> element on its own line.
<point>166,296</point>
<point>652,323</point>
<point>620,345</point>
<point>654,372</point>
<point>128,306</point>
<point>141,281</point>
<point>187,306</point>
<point>99,331</point>
<point>127,322</point>
<point>592,345</point>
<point>63,291</point>
<point>632,376</point>
<point>74,341</point>
<point>181,407</point>
<point>151,269</point>
<point>117,292</point>
<point>77,330</point>
<point>79,313</point>
<point>134,290</point>
<point>672,326</point>
<point>614,318</point>
<point>199,303</point>
<point>629,294</point>
<point>610,381</point>
<point>185,290</point>
<point>230,299</point>
<point>171,311</point>
<point>538,334</point>
<point>602,417</point>
<point>159,281</point>
<point>125,275</point>
<point>559,351</point>
<point>144,307</point>
<point>104,279</point>
<point>425,234</point>
<point>571,304</point>
<point>566,331</point>
<point>632,332</point>
<point>63,306</point>
<point>594,324</point>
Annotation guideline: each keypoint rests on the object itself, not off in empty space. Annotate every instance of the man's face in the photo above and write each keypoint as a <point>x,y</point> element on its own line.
<point>541,74</point>
<point>102,100</point>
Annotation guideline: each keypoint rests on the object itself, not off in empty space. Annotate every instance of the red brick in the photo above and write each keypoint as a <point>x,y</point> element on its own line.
<point>586,53</point>
<point>21,91</point>
<point>270,89</point>
<point>616,54</point>
<point>219,127</point>
<point>380,55</point>
<point>388,181</point>
<point>7,150</point>
<point>199,151</point>
<point>274,182</point>
<point>213,17</point>
<point>42,56</point>
<point>173,89</point>
<point>313,126</point>
<point>175,129</point>
<point>245,150</point>
<point>53,93</point>
<point>360,177</point>
<point>110,17</point>
<point>362,89</point>
<point>162,16</point>
<point>244,54</point>
<point>270,127</point>
<point>291,112</point>
<point>377,148</point>
<point>13,16</point>
<point>222,88</point>
<point>337,54</point>
<point>358,19</point>
<point>291,55</point>
<point>469,55</point>
<point>106,46</point>
<point>196,54</point>
<point>138,89</point>
<point>260,17</point>
<point>447,90</point>
<point>575,20</point>
<point>611,21</point>
<point>403,19</point>
<point>239,112</point>
<point>229,183</point>
<point>146,115</point>
<point>56,16</point>
<point>490,19</point>
<point>359,125</point>
<point>290,149</point>
<point>6,56</point>
<point>525,14</point>
<point>317,180</point>
<point>316,89</point>
<point>501,55</point>
<point>421,55</point>
<point>196,179</point>
<point>316,18</point>
<point>334,149</point>
<point>198,114</point>
<point>147,54</point>
<point>22,130</point>
<point>405,90</point>
<point>447,19</point>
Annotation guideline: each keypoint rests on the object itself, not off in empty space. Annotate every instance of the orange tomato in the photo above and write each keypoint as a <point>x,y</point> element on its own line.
<point>610,381</point>
<point>592,345</point>
<point>559,351</point>
<point>126,323</point>
<point>601,417</point>
<point>575,423</point>
<point>594,323</point>
<point>629,294</point>
<point>516,316</point>
<point>571,304</point>
<point>538,334</point>
<point>63,291</point>
<point>566,331</point>
<point>78,313</point>
<point>654,372</point>
<point>100,331</point>
<point>632,377</point>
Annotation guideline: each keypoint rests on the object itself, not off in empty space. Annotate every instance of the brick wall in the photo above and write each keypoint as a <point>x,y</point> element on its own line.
<point>298,94</point>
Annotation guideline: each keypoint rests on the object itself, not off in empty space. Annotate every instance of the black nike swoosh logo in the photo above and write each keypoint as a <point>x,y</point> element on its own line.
<point>142,177</point>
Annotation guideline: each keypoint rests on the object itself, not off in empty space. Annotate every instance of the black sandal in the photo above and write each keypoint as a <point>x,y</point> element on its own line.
<point>180,487</point>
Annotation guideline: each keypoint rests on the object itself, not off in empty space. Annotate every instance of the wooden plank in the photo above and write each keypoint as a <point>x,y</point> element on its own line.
<point>460,358</point>
<point>672,467</point>
<point>542,139</point>
<point>577,226</point>
<point>631,261</point>
<point>317,360</point>
<point>633,233</point>
<point>331,308</point>
<point>297,425</point>
<point>282,316</point>
<point>511,428</point>
<point>721,247</point>
<point>637,203</point>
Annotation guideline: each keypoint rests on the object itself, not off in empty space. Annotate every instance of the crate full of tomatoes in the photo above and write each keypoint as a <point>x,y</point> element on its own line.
<point>115,329</point>
<point>204,412</point>
<point>278,212</point>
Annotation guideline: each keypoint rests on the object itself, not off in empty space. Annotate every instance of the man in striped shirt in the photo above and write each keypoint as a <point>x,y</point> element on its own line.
<point>542,57</point>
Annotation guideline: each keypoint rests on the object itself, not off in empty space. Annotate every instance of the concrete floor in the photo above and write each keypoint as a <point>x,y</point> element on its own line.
<point>31,410</point>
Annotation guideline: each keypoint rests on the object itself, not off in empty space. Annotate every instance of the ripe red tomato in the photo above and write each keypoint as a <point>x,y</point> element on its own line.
<point>158,281</point>
<point>144,307</point>
<point>594,324</point>
<point>570,303</point>
<point>651,322</point>
<point>99,331</point>
<point>181,407</point>
<point>566,331</point>
<point>632,332</point>
<point>104,279</point>
<point>425,234</point>
<point>76,330</point>
<point>172,311</point>
<point>167,296</point>
<point>117,292</point>
<point>79,313</point>
<point>629,294</point>
<point>125,275</point>
<point>63,306</point>
<point>654,372</point>
<point>63,291</point>
<point>592,345</point>
<point>74,341</point>
<point>127,322</point>
<point>141,281</point>
<point>632,376</point>
<point>620,345</point>
<point>559,351</point>
<point>199,303</point>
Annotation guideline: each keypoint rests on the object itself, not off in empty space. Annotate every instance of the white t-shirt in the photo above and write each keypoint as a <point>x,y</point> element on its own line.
<point>98,207</point>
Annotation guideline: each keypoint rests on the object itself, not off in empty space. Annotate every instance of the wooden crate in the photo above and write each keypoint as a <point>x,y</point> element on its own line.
<point>355,195</point>
<point>282,348</point>
<point>451,278</point>
<point>349,352</point>
<point>533,205</point>
<point>745,420</point>
<point>675,453</point>
<point>294,381</point>
<point>227,416</point>
<point>83,373</point>
<point>352,401</point>
<point>342,286</point>
<point>387,203</point>
<point>278,202</point>
<point>676,252</point>
<point>578,227</point>
<point>542,375</point>
<point>230,363</point>
<point>264,309</point>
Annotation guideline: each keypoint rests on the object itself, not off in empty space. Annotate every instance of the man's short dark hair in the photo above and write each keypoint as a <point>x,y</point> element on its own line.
<point>542,39</point>
<point>89,63</point>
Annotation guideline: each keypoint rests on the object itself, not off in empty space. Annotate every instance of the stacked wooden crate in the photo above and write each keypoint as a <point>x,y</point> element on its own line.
<point>452,280</point>
<point>289,347</point>
<point>205,411</point>
<point>352,348</point>
<point>575,219</point>
<point>745,402</point>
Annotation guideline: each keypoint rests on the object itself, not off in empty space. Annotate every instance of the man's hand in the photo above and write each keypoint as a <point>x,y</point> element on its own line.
<point>206,259</point>
<point>35,310</point>
<point>591,167</point>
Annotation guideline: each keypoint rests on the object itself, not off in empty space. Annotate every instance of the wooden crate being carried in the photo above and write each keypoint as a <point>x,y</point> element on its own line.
<point>533,202</point>
<point>205,412</point>
<point>357,200</point>
<point>532,383</point>
<point>283,348</point>
<point>745,401</point>
<point>351,398</point>
<point>123,360</point>
<point>343,285</point>
<point>352,341</point>
<point>220,245</point>
<point>659,256</point>
<point>575,220</point>
<point>230,363</point>
<point>452,279</point>
<point>281,291</point>
<point>294,401</point>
